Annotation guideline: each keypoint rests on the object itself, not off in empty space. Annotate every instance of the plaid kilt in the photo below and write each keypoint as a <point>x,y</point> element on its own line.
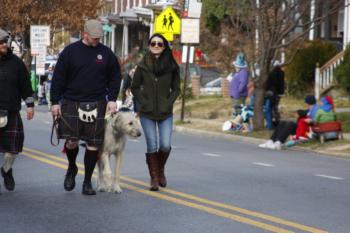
<point>12,135</point>
<point>70,127</point>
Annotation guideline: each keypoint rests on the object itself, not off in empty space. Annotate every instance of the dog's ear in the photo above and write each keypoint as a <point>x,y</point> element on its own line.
<point>117,117</point>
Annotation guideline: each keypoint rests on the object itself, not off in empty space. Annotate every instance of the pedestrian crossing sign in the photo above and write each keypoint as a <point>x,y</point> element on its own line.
<point>168,22</point>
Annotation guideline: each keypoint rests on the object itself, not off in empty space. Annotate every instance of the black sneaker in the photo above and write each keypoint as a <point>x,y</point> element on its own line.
<point>69,180</point>
<point>87,189</point>
<point>9,182</point>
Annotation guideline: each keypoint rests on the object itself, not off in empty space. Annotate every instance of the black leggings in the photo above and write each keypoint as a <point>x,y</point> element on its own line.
<point>283,130</point>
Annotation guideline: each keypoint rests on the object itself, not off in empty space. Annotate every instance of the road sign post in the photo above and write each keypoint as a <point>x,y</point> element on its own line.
<point>189,36</point>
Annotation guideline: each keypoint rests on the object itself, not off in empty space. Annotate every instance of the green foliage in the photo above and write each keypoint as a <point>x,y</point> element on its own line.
<point>215,12</point>
<point>188,94</point>
<point>342,72</point>
<point>300,74</point>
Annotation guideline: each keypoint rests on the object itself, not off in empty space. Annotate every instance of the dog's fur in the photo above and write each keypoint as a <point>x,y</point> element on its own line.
<point>118,127</point>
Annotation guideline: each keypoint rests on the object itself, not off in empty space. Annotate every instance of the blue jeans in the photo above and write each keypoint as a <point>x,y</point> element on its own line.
<point>268,113</point>
<point>152,128</point>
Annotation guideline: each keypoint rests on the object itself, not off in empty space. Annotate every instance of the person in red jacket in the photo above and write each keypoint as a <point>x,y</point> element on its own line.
<point>303,128</point>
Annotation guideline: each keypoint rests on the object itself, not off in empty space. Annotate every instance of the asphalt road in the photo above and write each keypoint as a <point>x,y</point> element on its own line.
<point>215,185</point>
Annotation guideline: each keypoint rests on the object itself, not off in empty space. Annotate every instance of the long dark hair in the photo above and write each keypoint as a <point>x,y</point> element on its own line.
<point>165,62</point>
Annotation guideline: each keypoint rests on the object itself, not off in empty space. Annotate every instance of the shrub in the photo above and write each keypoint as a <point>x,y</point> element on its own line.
<point>300,74</point>
<point>188,91</point>
<point>342,72</point>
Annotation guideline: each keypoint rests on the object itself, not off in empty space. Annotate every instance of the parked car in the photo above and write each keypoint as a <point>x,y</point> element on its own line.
<point>205,74</point>
<point>212,88</point>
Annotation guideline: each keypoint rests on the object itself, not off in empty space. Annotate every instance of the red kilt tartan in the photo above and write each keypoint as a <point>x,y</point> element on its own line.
<point>70,127</point>
<point>12,135</point>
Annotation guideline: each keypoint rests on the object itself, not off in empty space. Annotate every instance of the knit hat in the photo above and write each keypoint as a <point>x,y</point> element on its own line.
<point>240,61</point>
<point>329,100</point>
<point>3,34</point>
<point>310,100</point>
<point>94,28</point>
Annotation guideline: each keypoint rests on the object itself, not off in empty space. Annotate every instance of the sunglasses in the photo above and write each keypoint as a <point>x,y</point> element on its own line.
<point>159,44</point>
<point>3,41</point>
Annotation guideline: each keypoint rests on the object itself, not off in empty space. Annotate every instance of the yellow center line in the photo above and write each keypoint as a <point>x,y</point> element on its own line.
<point>209,210</point>
<point>205,201</point>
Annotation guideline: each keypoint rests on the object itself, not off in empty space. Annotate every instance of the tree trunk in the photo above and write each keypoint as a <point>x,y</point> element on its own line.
<point>258,108</point>
<point>259,91</point>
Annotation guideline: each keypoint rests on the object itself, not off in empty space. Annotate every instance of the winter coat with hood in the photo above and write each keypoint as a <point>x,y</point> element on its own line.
<point>156,87</point>
<point>239,84</point>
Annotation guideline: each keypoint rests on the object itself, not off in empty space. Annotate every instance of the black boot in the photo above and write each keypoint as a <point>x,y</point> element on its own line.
<point>90,160</point>
<point>69,180</point>
<point>72,171</point>
<point>9,182</point>
<point>87,189</point>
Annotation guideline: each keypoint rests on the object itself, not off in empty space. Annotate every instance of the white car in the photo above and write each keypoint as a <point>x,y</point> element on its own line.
<point>212,87</point>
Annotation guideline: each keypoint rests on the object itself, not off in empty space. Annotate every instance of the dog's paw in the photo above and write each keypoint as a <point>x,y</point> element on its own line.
<point>116,189</point>
<point>102,188</point>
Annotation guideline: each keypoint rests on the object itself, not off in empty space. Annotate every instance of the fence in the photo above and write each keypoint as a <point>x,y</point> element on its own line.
<point>324,75</point>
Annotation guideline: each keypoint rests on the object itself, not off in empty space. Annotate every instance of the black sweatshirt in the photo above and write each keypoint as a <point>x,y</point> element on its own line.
<point>14,83</point>
<point>85,73</point>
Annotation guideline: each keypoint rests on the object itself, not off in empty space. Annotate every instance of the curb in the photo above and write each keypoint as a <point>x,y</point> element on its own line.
<point>257,141</point>
<point>230,137</point>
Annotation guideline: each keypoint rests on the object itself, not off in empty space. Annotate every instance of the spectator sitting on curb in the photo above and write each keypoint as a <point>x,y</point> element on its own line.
<point>286,128</point>
<point>242,122</point>
<point>310,100</point>
<point>325,113</point>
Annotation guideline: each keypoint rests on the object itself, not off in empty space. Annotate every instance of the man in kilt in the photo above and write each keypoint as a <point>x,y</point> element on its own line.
<point>14,86</point>
<point>85,84</point>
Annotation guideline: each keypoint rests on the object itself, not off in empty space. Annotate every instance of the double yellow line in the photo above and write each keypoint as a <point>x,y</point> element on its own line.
<point>256,219</point>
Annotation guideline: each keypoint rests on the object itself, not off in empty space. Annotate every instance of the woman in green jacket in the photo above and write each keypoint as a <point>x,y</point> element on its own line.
<point>156,85</point>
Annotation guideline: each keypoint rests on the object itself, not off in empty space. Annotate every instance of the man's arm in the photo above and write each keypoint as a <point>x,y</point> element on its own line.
<point>59,79</point>
<point>114,78</point>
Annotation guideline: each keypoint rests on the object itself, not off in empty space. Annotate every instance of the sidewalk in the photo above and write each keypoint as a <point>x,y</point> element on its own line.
<point>212,128</point>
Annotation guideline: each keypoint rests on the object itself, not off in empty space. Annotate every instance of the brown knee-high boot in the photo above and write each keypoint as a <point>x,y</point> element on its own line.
<point>153,168</point>
<point>163,157</point>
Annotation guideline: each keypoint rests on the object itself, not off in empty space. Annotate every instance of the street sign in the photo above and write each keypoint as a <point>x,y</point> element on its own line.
<point>190,31</point>
<point>167,22</point>
<point>168,36</point>
<point>194,9</point>
<point>40,34</point>
<point>39,39</point>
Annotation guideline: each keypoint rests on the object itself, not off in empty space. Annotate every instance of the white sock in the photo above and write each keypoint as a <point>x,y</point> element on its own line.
<point>9,160</point>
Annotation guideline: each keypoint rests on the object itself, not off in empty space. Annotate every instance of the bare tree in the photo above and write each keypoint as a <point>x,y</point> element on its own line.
<point>267,27</point>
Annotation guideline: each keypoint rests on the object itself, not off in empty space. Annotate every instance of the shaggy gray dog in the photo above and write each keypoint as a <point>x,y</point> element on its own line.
<point>118,127</point>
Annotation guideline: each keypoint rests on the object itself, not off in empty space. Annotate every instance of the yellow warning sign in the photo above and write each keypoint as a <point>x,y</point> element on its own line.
<point>168,36</point>
<point>168,22</point>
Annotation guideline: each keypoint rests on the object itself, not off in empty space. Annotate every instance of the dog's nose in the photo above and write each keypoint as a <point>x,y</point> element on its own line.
<point>139,134</point>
